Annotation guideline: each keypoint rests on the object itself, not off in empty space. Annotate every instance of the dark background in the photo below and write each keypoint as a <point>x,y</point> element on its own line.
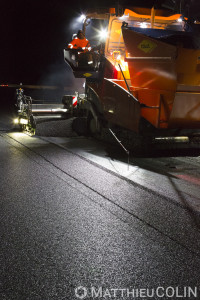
<point>33,36</point>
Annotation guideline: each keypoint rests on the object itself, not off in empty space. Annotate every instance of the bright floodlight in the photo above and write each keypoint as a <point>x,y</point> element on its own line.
<point>103,33</point>
<point>82,18</point>
<point>180,20</point>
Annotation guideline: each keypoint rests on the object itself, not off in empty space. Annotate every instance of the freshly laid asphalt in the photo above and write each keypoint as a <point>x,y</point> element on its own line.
<point>67,222</point>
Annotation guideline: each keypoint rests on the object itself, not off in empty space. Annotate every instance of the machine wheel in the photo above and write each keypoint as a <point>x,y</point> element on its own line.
<point>79,125</point>
<point>91,124</point>
<point>94,128</point>
<point>32,122</point>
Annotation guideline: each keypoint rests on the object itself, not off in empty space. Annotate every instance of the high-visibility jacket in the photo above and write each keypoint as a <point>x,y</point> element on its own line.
<point>76,43</point>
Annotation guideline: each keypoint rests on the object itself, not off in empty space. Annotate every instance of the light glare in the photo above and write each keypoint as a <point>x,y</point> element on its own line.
<point>103,33</point>
<point>143,25</point>
<point>82,18</point>
<point>23,121</point>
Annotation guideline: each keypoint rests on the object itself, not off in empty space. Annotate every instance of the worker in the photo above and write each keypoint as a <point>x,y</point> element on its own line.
<point>83,45</point>
<point>80,42</point>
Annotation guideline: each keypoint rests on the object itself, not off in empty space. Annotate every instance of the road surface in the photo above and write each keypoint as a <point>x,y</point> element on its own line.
<point>78,222</point>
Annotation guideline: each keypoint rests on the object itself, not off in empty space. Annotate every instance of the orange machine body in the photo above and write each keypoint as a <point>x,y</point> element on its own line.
<point>163,76</point>
<point>151,71</point>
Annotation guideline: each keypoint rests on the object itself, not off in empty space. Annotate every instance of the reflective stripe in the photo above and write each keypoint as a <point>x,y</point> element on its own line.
<point>70,45</point>
<point>79,43</point>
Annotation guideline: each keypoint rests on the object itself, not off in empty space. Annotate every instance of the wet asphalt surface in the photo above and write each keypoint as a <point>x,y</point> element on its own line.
<point>67,223</point>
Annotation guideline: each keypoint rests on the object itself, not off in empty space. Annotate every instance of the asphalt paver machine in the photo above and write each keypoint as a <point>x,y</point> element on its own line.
<point>144,83</point>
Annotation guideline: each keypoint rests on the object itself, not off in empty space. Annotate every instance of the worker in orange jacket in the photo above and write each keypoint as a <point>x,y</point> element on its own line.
<point>81,43</point>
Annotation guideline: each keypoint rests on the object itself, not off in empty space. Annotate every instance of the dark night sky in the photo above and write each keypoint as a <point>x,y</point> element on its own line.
<point>34,35</point>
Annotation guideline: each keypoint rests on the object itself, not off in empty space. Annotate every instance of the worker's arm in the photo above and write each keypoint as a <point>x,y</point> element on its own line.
<point>73,45</point>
